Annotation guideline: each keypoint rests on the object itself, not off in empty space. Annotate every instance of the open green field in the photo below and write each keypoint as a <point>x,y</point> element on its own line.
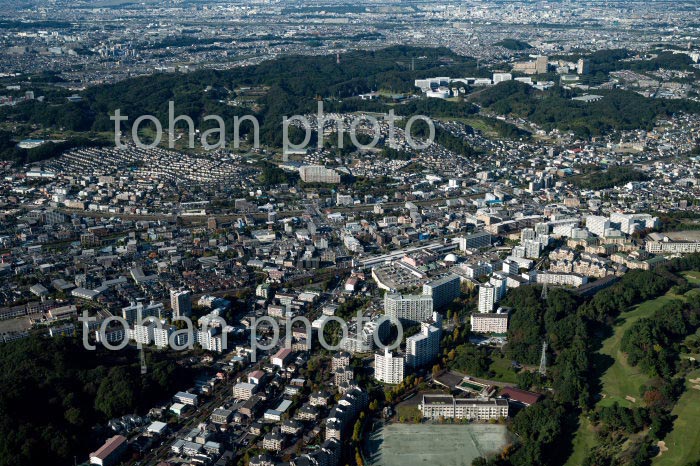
<point>584,441</point>
<point>692,277</point>
<point>434,444</point>
<point>621,380</point>
<point>503,371</point>
<point>683,442</point>
<point>408,413</point>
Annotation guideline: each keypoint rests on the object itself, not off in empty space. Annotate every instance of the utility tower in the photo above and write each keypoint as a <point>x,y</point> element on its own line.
<point>142,357</point>
<point>543,360</point>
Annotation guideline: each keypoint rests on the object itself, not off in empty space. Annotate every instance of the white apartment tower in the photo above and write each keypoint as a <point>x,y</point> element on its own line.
<point>388,368</point>
<point>423,348</point>
<point>499,282</point>
<point>487,297</point>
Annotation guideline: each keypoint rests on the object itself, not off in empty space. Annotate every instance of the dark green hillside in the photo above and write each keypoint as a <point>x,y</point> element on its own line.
<point>54,392</point>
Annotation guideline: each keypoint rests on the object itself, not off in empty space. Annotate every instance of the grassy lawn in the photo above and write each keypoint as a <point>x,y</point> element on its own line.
<point>692,277</point>
<point>584,441</point>
<point>502,369</point>
<point>621,379</point>
<point>408,413</point>
<point>683,442</point>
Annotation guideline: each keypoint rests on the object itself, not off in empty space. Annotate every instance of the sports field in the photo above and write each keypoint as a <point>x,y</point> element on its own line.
<point>434,444</point>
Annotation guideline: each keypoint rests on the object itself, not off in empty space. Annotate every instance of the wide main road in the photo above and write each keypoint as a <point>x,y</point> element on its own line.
<point>230,216</point>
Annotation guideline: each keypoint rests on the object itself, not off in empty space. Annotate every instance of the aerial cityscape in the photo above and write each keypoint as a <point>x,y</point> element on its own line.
<point>320,233</point>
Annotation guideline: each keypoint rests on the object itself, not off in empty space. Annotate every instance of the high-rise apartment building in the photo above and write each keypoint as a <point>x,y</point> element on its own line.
<point>388,368</point>
<point>318,174</point>
<point>181,302</point>
<point>487,297</point>
<point>408,308</point>
<point>443,290</point>
<point>423,348</point>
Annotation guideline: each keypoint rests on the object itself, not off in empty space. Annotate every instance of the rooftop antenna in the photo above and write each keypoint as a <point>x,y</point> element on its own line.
<point>543,360</point>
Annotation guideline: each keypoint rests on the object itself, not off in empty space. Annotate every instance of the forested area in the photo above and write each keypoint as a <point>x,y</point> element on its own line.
<point>55,396</point>
<point>572,326</point>
<point>293,82</point>
<point>680,220</point>
<point>513,44</point>
<point>553,108</point>
<point>653,343</point>
<point>613,176</point>
<point>9,150</point>
<point>293,85</point>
